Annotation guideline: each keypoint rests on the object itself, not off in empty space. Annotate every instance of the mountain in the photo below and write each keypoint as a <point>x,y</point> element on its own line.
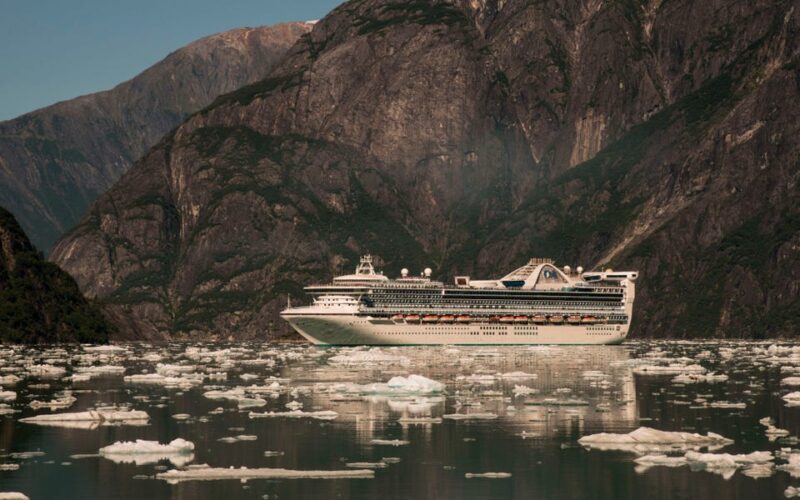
<point>55,161</point>
<point>651,135</point>
<point>38,301</point>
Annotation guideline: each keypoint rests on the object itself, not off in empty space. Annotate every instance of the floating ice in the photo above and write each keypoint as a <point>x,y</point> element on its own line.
<point>243,473</point>
<point>104,349</point>
<point>523,390</point>
<point>46,371</point>
<point>367,357</point>
<point>389,442</point>
<point>411,385</point>
<point>470,416</point>
<point>661,460</point>
<point>140,452</point>
<point>792,399</point>
<point>695,378</point>
<point>90,419</point>
<point>319,415</point>
<point>9,379</point>
<point>646,438</point>
<point>728,404</point>
<point>517,375</point>
<point>673,369</point>
<point>487,475</point>
<point>56,404</point>
<point>367,465</point>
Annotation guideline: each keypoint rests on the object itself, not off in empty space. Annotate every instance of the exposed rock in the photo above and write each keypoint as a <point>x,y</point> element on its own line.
<point>55,161</point>
<point>437,134</point>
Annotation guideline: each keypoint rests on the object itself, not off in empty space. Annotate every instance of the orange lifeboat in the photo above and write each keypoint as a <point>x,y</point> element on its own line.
<point>520,319</point>
<point>556,319</point>
<point>447,318</point>
<point>397,318</point>
<point>430,318</point>
<point>412,318</point>
<point>506,319</point>
<point>540,318</point>
<point>494,319</point>
<point>589,320</point>
<point>574,320</point>
<point>463,318</point>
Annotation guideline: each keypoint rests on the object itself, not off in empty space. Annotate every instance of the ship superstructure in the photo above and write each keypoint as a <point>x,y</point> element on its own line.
<point>538,303</point>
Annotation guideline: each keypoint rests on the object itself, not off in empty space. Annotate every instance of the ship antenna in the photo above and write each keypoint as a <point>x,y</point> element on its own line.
<point>288,300</point>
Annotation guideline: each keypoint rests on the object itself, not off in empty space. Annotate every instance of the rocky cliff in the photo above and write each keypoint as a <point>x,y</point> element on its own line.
<point>655,135</point>
<point>38,301</point>
<point>55,161</point>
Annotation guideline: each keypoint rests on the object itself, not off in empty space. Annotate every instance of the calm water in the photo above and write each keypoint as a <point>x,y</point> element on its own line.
<point>534,437</point>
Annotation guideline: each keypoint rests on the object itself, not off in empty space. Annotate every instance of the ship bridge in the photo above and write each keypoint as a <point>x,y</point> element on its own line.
<point>365,273</point>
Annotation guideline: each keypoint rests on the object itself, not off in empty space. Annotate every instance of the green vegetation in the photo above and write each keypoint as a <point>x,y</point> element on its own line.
<point>40,303</point>
<point>416,11</point>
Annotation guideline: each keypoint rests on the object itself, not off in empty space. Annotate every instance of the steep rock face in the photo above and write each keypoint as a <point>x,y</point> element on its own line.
<point>470,136</point>
<point>38,301</point>
<point>55,161</point>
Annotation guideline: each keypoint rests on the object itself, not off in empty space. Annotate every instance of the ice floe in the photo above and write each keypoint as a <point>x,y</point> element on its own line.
<point>487,475</point>
<point>318,415</point>
<point>178,451</point>
<point>90,419</point>
<point>646,438</point>
<point>199,473</point>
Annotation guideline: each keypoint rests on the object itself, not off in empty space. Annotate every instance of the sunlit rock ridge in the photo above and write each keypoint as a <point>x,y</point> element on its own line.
<point>469,136</point>
<point>55,161</point>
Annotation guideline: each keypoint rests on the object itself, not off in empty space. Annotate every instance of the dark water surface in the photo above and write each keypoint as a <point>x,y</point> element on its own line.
<point>534,437</point>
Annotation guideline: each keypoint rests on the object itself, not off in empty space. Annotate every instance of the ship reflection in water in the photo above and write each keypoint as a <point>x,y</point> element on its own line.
<point>419,422</point>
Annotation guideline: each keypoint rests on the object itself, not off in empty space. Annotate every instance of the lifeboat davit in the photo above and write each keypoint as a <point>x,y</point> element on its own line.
<point>412,318</point>
<point>540,318</point>
<point>520,319</point>
<point>506,319</point>
<point>430,318</point>
<point>464,318</point>
<point>447,318</point>
<point>556,319</point>
<point>574,320</point>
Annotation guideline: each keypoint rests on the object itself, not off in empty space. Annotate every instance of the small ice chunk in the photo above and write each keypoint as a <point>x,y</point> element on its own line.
<point>243,474</point>
<point>9,379</point>
<point>660,459</point>
<point>470,416</point>
<point>792,399</point>
<point>389,442</point>
<point>518,375</point>
<point>673,369</point>
<point>487,475</point>
<point>319,415</point>
<point>523,390</point>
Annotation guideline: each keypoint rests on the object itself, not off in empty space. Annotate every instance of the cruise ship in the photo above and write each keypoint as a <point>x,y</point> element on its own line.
<point>537,303</point>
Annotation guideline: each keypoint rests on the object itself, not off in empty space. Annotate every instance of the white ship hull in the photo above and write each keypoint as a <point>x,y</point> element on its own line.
<point>345,329</point>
